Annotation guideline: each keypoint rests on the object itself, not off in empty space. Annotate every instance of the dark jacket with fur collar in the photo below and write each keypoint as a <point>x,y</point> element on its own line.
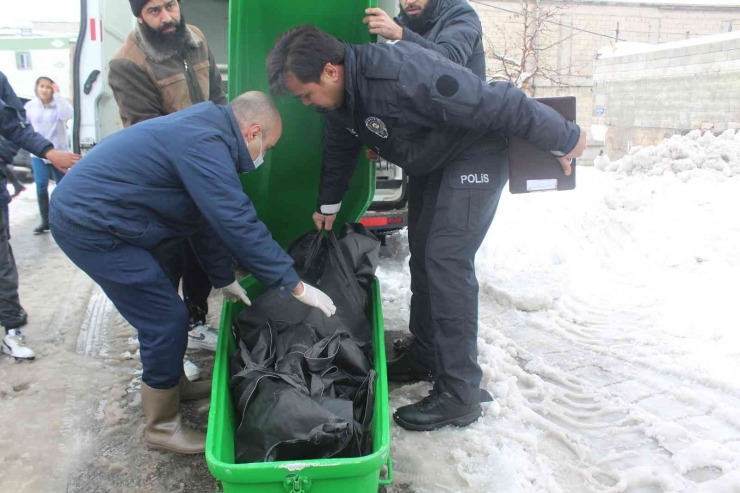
<point>148,82</point>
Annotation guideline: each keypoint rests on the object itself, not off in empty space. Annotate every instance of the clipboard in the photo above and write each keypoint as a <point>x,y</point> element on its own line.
<point>534,170</point>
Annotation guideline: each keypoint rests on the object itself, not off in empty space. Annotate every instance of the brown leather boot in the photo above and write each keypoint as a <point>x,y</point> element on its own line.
<point>164,428</point>
<point>190,391</point>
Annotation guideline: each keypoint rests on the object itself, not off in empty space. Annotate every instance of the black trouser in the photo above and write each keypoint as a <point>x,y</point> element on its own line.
<point>11,312</point>
<point>135,282</point>
<point>179,261</point>
<point>12,178</point>
<point>450,212</point>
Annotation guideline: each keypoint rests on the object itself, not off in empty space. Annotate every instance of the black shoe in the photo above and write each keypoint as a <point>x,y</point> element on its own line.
<point>403,343</point>
<point>406,369</point>
<point>435,411</point>
<point>43,227</point>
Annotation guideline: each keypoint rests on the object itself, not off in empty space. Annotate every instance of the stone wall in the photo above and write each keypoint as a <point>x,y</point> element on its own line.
<point>572,50</point>
<point>673,89</point>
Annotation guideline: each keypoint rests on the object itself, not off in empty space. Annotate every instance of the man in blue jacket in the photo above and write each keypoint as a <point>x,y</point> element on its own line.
<point>14,128</point>
<point>162,181</point>
<point>434,118</point>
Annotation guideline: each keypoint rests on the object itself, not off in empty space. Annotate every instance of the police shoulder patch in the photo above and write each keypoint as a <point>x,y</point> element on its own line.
<point>376,126</point>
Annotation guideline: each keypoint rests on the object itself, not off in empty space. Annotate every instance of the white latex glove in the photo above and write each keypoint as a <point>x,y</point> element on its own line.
<point>316,298</point>
<point>234,292</point>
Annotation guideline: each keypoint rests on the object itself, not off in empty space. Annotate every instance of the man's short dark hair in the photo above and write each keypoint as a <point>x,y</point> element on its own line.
<point>303,51</point>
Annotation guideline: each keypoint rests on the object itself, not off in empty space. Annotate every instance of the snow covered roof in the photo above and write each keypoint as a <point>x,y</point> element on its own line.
<point>630,48</point>
<point>678,3</point>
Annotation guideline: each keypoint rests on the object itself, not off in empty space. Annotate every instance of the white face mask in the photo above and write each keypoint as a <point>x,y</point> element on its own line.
<point>260,159</point>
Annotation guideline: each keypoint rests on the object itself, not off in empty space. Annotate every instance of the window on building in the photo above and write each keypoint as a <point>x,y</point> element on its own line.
<point>23,60</point>
<point>726,27</point>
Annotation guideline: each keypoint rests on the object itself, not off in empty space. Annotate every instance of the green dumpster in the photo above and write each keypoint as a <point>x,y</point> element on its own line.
<point>284,191</point>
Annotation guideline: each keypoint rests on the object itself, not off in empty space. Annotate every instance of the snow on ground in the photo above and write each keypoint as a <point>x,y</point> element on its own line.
<point>38,409</point>
<point>608,337</point>
<point>72,422</point>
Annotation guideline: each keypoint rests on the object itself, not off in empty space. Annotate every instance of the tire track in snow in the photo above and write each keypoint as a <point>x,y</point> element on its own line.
<point>584,354</point>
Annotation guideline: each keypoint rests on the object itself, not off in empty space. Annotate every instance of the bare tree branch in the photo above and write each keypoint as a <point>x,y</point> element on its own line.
<point>505,59</point>
<point>557,43</point>
<point>526,38</point>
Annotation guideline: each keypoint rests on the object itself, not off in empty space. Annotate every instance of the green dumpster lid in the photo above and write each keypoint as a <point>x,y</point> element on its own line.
<point>285,188</point>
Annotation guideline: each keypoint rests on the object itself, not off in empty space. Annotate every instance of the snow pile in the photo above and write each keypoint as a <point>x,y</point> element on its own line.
<point>397,245</point>
<point>690,156</point>
<point>602,161</point>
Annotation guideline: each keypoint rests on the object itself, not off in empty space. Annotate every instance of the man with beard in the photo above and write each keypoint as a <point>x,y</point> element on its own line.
<point>165,66</point>
<point>449,27</point>
<point>441,123</point>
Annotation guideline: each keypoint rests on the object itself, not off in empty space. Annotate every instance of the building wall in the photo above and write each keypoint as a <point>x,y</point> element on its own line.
<point>70,28</point>
<point>50,57</point>
<point>649,96</point>
<point>572,52</point>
